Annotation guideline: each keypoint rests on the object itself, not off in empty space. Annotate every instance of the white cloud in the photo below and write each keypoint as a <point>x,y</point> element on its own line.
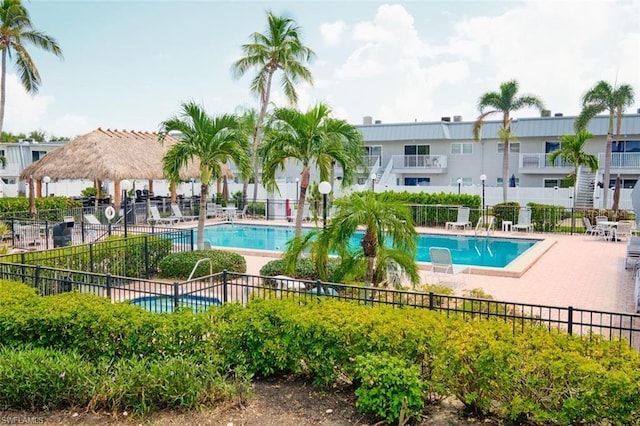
<point>332,32</point>
<point>23,112</point>
<point>396,73</point>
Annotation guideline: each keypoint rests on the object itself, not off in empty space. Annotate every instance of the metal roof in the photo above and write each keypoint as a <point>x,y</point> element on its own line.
<point>522,127</point>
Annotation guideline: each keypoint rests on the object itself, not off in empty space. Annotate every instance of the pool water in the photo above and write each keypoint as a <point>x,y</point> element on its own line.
<point>165,303</point>
<point>465,250</point>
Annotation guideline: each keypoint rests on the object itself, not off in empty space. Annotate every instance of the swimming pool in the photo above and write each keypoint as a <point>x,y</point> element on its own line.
<point>465,250</point>
<point>166,303</point>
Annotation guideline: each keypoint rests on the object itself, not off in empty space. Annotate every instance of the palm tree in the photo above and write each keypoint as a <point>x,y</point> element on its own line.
<point>212,142</point>
<point>16,29</point>
<point>572,151</point>
<point>603,97</point>
<point>312,139</point>
<point>506,101</point>
<point>281,48</point>
<point>389,239</point>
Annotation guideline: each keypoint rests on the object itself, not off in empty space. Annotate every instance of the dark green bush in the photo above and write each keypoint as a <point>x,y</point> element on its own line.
<point>546,218</point>
<point>42,379</point>
<point>505,211</point>
<point>389,387</point>
<point>175,383</point>
<point>180,265</point>
<point>305,268</point>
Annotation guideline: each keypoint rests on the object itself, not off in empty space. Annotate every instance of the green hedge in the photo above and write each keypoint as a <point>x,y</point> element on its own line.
<point>180,265</point>
<point>534,376</point>
<point>305,268</point>
<point>48,207</point>
<point>116,255</point>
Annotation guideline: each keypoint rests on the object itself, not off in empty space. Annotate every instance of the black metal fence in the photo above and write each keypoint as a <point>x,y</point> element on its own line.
<point>136,256</point>
<point>228,287</point>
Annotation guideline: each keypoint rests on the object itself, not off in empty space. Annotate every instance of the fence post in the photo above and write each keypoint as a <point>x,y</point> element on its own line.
<point>570,321</point>
<point>224,286</point>
<point>91,262</point>
<point>146,256</point>
<point>109,229</point>
<point>36,279</point>
<point>176,294</point>
<point>266,212</point>
<point>24,271</point>
<point>109,286</point>
<point>431,304</point>
<point>318,288</point>
<point>82,231</point>
<point>46,233</point>
<point>191,235</point>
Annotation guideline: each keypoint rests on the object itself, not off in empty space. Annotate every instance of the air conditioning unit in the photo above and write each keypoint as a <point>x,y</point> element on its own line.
<point>446,119</point>
<point>457,118</point>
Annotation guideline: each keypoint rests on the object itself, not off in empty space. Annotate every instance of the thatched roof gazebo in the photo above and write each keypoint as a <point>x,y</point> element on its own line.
<point>107,154</point>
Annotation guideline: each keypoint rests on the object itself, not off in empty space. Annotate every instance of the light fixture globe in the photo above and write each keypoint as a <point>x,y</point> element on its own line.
<point>324,187</point>
<point>46,179</point>
<point>125,184</point>
<point>459,181</point>
<point>483,177</point>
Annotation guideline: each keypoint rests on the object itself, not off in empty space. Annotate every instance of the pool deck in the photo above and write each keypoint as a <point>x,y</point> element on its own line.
<point>565,270</point>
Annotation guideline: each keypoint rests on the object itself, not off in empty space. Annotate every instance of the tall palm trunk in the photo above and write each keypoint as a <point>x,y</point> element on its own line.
<point>202,214</point>
<point>304,184</point>
<point>257,137</point>
<point>607,163</point>
<point>506,125</point>
<point>3,85</point>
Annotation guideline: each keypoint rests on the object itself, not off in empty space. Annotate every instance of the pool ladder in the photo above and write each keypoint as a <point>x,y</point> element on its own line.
<point>204,259</point>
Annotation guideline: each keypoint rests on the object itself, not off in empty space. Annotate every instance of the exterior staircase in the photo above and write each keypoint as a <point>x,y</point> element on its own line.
<point>586,186</point>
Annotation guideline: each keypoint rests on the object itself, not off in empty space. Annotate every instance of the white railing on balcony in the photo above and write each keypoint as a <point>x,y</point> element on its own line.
<point>621,160</point>
<point>419,161</point>
<point>540,161</point>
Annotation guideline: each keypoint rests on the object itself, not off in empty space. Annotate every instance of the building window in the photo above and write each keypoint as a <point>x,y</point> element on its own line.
<point>417,181</point>
<point>466,181</point>
<point>36,155</point>
<point>8,181</point>
<point>552,183</point>
<point>624,183</point>
<point>513,147</point>
<point>551,146</point>
<point>374,153</point>
<point>499,181</point>
<point>625,146</point>
<point>465,148</point>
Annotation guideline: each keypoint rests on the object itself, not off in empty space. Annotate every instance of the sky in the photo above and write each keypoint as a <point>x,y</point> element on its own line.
<point>129,65</point>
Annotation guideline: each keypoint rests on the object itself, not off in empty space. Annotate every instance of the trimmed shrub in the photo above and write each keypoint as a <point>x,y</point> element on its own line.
<point>44,379</point>
<point>175,383</point>
<point>180,265</point>
<point>389,387</point>
<point>305,268</point>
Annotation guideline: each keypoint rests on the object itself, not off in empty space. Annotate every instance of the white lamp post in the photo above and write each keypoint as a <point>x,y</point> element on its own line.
<point>483,177</point>
<point>125,185</point>
<point>324,188</point>
<point>373,181</point>
<point>459,184</point>
<point>46,181</point>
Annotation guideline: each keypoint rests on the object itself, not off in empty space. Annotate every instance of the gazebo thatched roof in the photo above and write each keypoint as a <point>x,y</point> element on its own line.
<point>107,154</point>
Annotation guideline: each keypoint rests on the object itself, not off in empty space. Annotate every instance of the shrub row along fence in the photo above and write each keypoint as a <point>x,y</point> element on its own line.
<point>136,256</point>
<point>228,287</point>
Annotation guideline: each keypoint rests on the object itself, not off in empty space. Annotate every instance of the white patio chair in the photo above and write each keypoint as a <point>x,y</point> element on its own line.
<point>212,211</point>
<point>622,230</point>
<point>462,220</point>
<point>442,266</point>
<point>177,213</point>
<point>524,220</point>
<point>590,229</point>
<point>156,218</point>
<point>242,214</point>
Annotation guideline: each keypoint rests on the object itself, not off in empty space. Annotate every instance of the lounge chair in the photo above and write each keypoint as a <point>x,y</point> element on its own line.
<point>442,266</point>
<point>212,211</point>
<point>524,221</point>
<point>462,220</point>
<point>177,213</point>
<point>156,218</point>
<point>91,219</point>
<point>633,251</point>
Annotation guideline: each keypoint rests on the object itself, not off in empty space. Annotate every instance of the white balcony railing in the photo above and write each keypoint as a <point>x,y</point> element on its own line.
<point>621,160</point>
<point>419,161</point>
<point>540,161</point>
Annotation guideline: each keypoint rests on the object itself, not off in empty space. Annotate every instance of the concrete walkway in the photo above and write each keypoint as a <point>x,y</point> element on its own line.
<point>580,271</point>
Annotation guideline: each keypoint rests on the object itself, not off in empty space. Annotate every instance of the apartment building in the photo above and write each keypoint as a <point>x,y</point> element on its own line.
<point>445,152</point>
